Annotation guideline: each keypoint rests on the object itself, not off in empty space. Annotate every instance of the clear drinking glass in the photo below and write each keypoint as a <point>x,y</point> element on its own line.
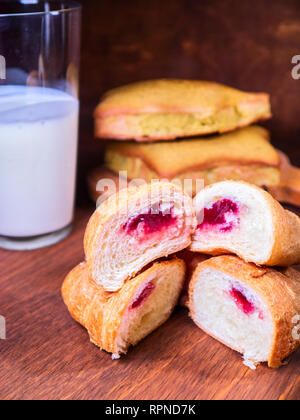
<point>39,107</point>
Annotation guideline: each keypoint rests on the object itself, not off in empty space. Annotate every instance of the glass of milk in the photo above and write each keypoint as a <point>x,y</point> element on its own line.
<point>39,109</point>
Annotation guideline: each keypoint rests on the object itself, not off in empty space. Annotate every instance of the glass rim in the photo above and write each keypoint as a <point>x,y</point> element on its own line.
<point>71,6</point>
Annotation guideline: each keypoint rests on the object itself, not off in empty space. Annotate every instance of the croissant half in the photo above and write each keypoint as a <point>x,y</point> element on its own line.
<point>252,310</point>
<point>134,228</point>
<point>239,218</point>
<point>115,321</point>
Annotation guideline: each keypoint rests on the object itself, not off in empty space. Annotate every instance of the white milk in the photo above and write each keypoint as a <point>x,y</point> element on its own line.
<point>38,153</point>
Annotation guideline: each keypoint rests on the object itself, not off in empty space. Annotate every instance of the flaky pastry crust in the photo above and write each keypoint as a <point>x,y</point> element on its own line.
<point>103,313</point>
<point>245,147</point>
<point>280,291</point>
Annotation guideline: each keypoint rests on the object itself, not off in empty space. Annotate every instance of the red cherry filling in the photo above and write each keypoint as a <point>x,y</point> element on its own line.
<point>242,302</point>
<point>152,222</point>
<point>218,214</point>
<point>143,296</point>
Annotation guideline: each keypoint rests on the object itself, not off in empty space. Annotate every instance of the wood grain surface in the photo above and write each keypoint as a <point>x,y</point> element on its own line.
<point>48,356</point>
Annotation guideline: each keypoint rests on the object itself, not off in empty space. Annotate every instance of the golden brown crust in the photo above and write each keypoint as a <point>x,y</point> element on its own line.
<point>288,190</point>
<point>101,312</point>
<point>286,234</point>
<point>280,291</point>
<point>286,248</point>
<point>173,95</point>
<point>206,108</point>
<point>248,146</point>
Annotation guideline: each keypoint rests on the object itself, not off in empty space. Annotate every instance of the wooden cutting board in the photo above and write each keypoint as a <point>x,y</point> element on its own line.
<point>48,356</point>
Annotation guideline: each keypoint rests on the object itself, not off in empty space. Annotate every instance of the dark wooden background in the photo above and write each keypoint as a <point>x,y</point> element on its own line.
<point>247,44</point>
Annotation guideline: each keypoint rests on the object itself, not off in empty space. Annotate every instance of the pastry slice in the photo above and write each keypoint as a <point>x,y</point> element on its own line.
<point>116,321</point>
<point>245,155</point>
<point>136,227</point>
<point>239,218</point>
<point>252,310</point>
<point>167,109</point>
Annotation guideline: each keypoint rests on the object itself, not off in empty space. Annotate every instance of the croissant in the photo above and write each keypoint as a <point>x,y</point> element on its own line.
<point>252,310</point>
<point>115,321</point>
<point>168,109</point>
<point>135,227</point>
<point>239,218</point>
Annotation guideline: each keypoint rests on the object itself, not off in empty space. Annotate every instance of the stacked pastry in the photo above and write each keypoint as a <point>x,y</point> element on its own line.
<point>140,240</point>
<point>138,243</point>
<point>242,300</point>
<point>127,287</point>
<point>174,130</point>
